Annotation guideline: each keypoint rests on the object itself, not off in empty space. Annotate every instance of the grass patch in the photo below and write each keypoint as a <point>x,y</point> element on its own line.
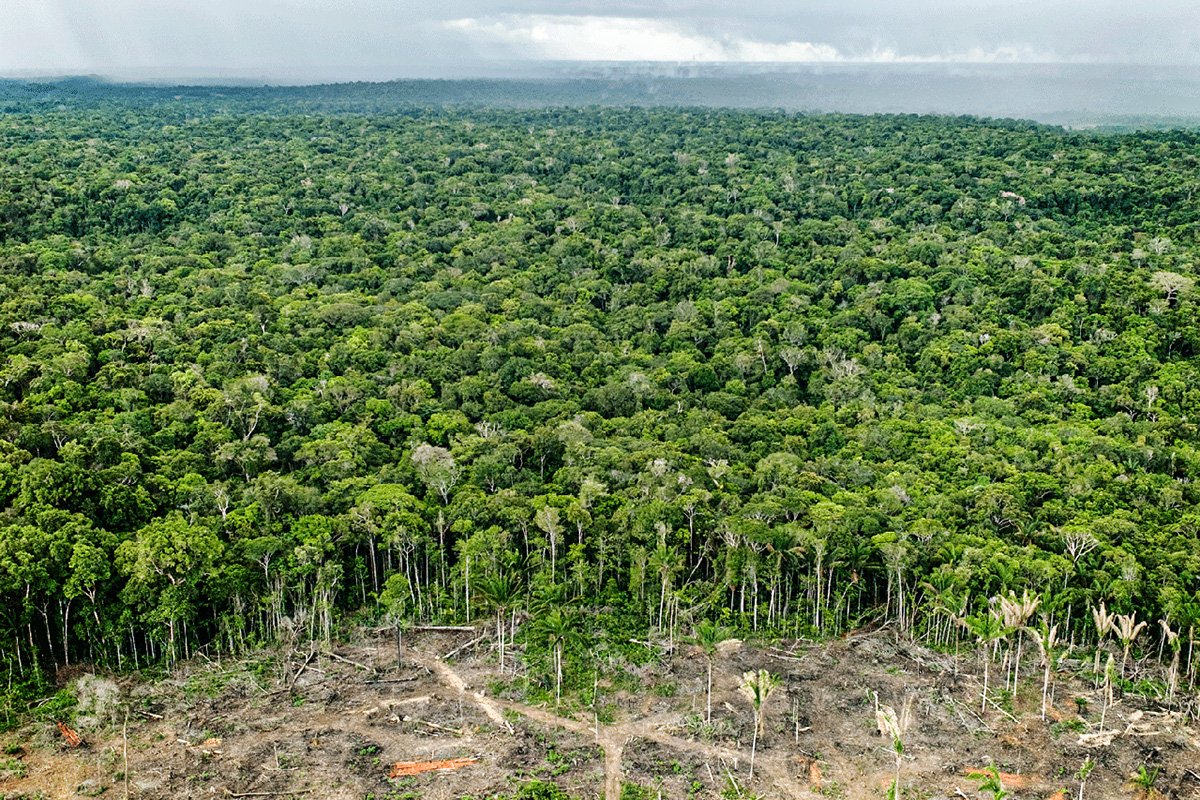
<point>11,768</point>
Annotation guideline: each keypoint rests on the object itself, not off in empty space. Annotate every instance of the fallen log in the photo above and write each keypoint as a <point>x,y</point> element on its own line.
<point>336,657</point>
<point>451,628</point>
<point>303,667</point>
<point>433,725</point>
<point>404,768</point>
<point>460,648</point>
<point>68,733</point>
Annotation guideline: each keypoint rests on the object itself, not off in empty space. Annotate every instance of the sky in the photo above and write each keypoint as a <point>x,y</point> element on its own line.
<point>327,40</point>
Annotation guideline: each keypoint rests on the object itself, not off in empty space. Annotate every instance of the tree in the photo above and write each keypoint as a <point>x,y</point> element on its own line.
<point>987,629</point>
<point>710,638</point>
<point>91,568</point>
<point>1172,285</point>
<point>387,511</point>
<point>666,563</point>
<point>547,520</point>
<point>1127,629</point>
<point>245,400</point>
<point>891,726</point>
<point>1045,636</point>
<point>501,592</point>
<point>1105,623</point>
<point>167,563</point>
<point>437,468</point>
<point>557,629</point>
<point>757,688</point>
<point>1078,544</point>
<point>1014,613</point>
<point>1172,640</point>
<point>395,599</point>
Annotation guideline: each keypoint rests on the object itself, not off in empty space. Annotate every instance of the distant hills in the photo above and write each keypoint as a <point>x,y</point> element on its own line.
<point>1073,95</point>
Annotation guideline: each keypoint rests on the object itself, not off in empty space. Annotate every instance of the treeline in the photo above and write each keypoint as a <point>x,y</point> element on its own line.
<point>791,374</point>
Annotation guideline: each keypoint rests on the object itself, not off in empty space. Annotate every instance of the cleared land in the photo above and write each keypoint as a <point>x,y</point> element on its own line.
<point>335,725</point>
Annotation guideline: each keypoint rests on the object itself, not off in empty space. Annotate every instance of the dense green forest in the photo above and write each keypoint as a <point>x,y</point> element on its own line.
<point>616,372</point>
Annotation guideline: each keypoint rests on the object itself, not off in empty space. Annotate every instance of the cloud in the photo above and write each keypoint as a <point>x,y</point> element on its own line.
<point>559,37</point>
<point>1003,54</point>
<point>587,38</point>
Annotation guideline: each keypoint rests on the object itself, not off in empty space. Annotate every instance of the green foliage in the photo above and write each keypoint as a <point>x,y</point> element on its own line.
<point>1145,778</point>
<point>11,768</point>
<point>1085,770</point>
<point>635,791</point>
<point>535,790</point>
<point>263,372</point>
<point>1067,726</point>
<point>59,706</point>
<point>989,781</point>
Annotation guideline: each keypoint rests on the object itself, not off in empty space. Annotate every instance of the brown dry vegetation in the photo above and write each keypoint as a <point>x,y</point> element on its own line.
<point>333,727</point>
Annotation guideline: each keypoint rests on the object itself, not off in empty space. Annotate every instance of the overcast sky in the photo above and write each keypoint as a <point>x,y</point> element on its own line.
<point>302,40</point>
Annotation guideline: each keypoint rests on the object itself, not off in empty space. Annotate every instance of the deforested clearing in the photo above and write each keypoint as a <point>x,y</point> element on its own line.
<point>253,728</point>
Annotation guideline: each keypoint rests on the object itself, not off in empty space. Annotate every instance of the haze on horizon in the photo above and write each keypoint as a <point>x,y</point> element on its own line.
<point>299,41</point>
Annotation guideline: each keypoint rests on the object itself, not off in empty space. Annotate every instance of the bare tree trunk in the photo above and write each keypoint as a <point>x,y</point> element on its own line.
<point>500,637</point>
<point>125,749</point>
<point>1045,687</point>
<point>753,746</point>
<point>986,668</point>
<point>708,704</point>
<point>66,630</point>
<point>557,675</point>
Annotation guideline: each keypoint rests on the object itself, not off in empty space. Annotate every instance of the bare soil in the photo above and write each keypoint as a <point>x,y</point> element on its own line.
<point>332,726</point>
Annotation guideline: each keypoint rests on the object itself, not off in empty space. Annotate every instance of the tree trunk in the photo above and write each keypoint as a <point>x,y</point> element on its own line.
<point>374,563</point>
<point>1017,668</point>
<point>753,746</point>
<point>500,637</point>
<point>1045,688</point>
<point>557,675</point>
<point>986,664</point>
<point>66,632</point>
<point>820,586</point>
<point>708,705</point>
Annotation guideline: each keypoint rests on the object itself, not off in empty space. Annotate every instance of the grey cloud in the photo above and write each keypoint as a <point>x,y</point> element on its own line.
<point>381,39</point>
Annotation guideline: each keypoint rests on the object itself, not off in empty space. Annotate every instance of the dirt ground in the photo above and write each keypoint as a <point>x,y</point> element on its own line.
<point>330,724</point>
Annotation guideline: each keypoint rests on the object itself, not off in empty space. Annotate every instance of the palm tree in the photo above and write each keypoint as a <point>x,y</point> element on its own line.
<point>1171,639</point>
<point>1110,672</point>
<point>1104,622</point>
<point>709,637</point>
<point>892,726</point>
<point>1046,637</point>
<point>1015,613</point>
<point>1127,629</point>
<point>558,630</point>
<point>757,688</point>
<point>986,629</point>
<point>502,594</point>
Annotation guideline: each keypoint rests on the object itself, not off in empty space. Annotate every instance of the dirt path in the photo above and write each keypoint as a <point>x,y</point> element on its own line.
<point>613,738</point>
<point>614,752</point>
<point>452,679</point>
